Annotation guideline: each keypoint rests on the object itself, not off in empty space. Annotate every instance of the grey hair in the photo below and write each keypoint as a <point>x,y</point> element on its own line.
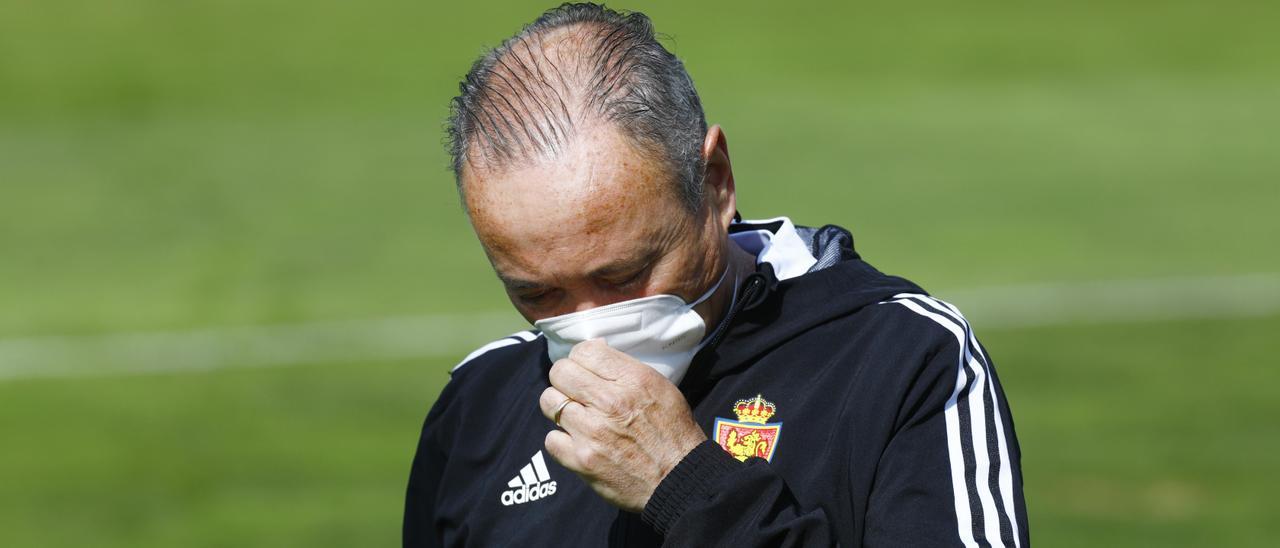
<point>525,99</point>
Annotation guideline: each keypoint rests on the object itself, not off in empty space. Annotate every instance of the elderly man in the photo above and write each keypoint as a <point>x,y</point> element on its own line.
<point>674,341</point>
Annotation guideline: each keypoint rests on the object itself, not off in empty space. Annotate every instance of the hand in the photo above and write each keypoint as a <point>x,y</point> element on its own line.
<point>626,427</point>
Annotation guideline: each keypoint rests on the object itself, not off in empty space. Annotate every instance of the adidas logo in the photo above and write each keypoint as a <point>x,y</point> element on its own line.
<point>533,483</point>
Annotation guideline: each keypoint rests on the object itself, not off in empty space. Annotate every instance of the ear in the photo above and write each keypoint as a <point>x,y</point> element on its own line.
<point>719,191</point>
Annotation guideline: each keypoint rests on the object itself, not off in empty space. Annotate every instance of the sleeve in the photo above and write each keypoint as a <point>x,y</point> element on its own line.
<point>950,474</point>
<point>712,499</point>
<point>419,529</point>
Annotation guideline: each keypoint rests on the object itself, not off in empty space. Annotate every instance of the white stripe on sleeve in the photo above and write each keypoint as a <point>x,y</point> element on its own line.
<point>973,402</point>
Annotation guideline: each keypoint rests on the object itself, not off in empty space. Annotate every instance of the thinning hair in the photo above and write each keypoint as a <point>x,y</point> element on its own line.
<point>576,65</point>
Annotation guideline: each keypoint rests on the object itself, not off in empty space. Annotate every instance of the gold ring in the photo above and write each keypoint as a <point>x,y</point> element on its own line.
<point>559,410</point>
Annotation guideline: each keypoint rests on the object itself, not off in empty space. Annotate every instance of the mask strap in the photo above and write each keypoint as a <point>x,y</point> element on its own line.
<point>713,289</point>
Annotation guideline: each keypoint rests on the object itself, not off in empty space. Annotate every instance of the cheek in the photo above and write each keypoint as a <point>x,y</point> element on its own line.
<point>527,313</point>
<point>678,273</point>
<point>700,268</point>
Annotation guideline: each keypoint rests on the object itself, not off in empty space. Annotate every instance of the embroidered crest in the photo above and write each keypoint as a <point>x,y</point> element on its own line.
<point>752,435</point>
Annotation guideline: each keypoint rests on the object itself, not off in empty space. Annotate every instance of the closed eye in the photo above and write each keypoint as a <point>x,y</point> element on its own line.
<point>533,298</point>
<point>632,280</point>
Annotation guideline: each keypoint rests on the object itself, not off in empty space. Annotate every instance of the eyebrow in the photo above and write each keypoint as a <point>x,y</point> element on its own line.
<point>626,266</point>
<point>622,266</point>
<point>516,284</point>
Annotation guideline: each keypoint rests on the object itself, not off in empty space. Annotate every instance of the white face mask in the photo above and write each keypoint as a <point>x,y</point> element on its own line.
<point>662,331</point>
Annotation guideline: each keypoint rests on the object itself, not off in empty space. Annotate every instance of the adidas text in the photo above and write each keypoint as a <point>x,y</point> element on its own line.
<point>528,493</point>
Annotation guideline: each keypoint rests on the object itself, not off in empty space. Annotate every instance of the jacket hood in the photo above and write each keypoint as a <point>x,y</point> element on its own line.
<point>804,277</point>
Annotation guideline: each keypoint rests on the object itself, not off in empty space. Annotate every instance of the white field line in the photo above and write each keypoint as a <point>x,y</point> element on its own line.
<point>1119,301</point>
<point>253,346</point>
<point>453,336</point>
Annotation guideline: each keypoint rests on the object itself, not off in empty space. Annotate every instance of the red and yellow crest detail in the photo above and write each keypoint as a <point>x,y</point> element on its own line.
<point>752,435</point>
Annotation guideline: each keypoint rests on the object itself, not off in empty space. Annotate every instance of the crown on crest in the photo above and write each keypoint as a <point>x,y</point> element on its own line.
<point>755,410</point>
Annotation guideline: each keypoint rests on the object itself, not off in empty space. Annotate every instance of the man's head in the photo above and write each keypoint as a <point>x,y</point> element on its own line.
<point>585,164</point>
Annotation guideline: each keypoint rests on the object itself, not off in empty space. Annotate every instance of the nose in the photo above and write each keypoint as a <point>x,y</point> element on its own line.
<point>585,305</point>
<point>592,298</point>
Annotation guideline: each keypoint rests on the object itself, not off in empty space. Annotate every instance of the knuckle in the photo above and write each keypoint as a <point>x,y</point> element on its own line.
<point>609,404</point>
<point>555,447</point>
<point>596,430</point>
<point>587,457</point>
<point>558,371</point>
<point>578,350</point>
<point>547,399</point>
<point>587,348</point>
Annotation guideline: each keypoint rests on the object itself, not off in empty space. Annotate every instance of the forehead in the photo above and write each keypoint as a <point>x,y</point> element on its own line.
<point>600,198</point>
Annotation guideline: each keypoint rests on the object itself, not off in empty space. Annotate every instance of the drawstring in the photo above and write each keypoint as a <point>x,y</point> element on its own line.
<point>754,290</point>
<point>750,288</point>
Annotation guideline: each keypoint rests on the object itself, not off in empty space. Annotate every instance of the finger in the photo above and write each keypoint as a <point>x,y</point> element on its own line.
<point>580,421</point>
<point>601,359</point>
<point>574,380</point>
<point>609,363</point>
<point>553,402</point>
<point>561,448</point>
<point>550,401</point>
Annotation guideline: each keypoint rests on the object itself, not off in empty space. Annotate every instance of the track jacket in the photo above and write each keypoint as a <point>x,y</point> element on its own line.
<point>842,406</point>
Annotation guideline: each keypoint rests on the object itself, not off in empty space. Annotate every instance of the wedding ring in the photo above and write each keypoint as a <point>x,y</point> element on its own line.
<point>560,410</point>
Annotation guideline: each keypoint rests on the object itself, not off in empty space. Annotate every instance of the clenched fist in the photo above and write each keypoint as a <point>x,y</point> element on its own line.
<point>625,426</point>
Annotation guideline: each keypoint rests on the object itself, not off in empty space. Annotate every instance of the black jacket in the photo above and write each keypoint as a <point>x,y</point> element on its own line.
<point>877,413</point>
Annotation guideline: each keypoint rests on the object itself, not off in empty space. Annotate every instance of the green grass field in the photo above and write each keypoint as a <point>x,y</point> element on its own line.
<point>222,163</point>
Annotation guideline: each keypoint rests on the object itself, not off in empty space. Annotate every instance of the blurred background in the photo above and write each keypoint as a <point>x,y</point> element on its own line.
<point>234,273</point>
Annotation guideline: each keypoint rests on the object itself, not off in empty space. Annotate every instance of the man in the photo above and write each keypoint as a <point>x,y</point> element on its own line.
<point>694,380</point>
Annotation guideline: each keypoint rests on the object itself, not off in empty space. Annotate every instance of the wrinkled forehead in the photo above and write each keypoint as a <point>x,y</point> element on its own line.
<point>599,197</point>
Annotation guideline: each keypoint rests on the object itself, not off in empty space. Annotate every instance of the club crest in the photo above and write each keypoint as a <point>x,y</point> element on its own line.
<point>752,435</point>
